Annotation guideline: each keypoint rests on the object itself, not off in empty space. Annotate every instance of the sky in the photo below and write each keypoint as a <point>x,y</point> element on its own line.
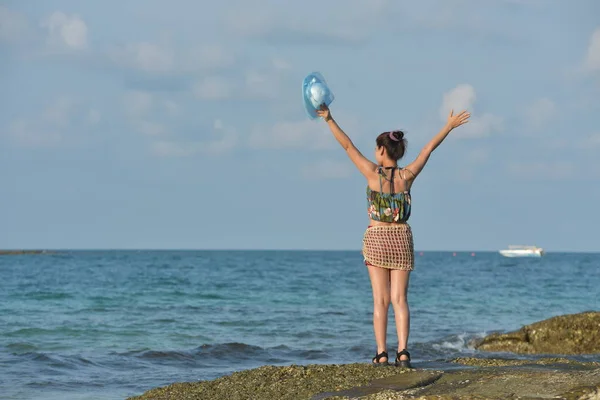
<point>180,124</point>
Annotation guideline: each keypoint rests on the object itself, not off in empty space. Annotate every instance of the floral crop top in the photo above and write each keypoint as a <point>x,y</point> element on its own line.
<point>388,207</point>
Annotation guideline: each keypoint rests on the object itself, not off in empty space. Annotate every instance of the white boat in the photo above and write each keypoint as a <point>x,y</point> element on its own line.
<point>522,251</point>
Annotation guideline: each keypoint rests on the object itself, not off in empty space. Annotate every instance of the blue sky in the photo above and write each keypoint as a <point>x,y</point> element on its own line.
<point>180,124</point>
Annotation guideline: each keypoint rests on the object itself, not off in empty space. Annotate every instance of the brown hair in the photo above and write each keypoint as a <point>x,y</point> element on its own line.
<point>394,144</point>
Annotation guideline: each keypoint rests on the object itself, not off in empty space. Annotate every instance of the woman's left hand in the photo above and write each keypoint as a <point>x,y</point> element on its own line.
<point>324,112</point>
<point>456,120</point>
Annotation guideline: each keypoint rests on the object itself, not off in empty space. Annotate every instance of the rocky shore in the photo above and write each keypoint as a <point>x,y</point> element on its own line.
<point>565,334</point>
<point>465,378</point>
<point>15,252</point>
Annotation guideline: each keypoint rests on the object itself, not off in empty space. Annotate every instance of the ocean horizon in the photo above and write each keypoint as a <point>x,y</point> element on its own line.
<point>417,251</point>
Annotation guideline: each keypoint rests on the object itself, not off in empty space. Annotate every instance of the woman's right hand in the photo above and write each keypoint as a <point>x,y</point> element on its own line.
<point>454,121</point>
<point>324,112</point>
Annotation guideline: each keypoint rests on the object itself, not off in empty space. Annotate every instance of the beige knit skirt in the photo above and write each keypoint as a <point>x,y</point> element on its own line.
<point>389,246</point>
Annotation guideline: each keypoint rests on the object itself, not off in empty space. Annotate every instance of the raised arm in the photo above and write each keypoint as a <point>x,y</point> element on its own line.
<point>366,167</point>
<point>454,121</point>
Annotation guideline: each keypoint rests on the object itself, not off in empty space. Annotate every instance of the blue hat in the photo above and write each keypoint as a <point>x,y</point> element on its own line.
<point>315,92</point>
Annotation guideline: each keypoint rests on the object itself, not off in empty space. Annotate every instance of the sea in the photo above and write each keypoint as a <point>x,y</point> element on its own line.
<point>113,324</point>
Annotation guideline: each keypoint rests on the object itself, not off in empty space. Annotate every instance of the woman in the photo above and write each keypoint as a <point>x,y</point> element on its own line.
<point>388,243</point>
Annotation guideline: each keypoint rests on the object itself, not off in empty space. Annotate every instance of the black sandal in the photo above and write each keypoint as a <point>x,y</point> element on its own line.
<point>402,363</point>
<point>379,357</point>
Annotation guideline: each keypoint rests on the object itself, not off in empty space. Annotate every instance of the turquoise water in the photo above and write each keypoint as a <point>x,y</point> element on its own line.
<point>111,324</point>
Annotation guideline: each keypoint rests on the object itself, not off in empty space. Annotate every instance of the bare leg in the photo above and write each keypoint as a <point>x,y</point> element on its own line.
<point>399,288</point>
<point>380,282</point>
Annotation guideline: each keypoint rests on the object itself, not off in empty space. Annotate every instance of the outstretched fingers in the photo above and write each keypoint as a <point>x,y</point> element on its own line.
<point>462,118</point>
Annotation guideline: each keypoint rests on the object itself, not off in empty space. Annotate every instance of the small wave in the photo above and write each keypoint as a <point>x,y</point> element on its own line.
<point>164,320</point>
<point>333,313</point>
<point>27,332</point>
<point>21,347</point>
<point>50,295</point>
<point>210,296</point>
<point>59,331</point>
<point>222,348</point>
<point>163,355</point>
<point>57,360</point>
<point>449,346</point>
<point>212,350</point>
<point>224,353</point>
<point>311,355</point>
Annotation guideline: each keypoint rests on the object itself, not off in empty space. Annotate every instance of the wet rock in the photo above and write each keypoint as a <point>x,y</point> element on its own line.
<point>565,334</point>
<point>506,383</point>
<point>500,362</point>
<point>268,382</point>
<point>498,379</point>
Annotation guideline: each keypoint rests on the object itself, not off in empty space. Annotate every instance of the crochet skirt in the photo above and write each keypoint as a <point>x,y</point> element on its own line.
<point>389,246</point>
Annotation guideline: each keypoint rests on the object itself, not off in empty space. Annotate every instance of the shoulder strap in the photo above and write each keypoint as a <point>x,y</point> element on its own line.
<point>409,171</point>
<point>403,175</point>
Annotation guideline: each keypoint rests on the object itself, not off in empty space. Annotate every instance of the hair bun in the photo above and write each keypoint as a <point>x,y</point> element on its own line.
<point>397,136</point>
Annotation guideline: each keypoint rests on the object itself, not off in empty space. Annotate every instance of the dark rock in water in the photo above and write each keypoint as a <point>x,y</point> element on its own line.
<point>503,379</point>
<point>565,334</point>
<point>15,252</point>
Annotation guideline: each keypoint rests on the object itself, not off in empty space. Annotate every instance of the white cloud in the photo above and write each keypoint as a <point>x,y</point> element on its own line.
<point>176,149</point>
<point>34,133</point>
<point>250,21</point>
<point>287,22</point>
<point>171,107</point>
<point>59,112</point>
<point>539,113</point>
<point>221,145</point>
<point>226,140</point>
<point>207,56</point>
<point>165,149</point>
<point>94,116</point>
<point>477,156</point>
<point>307,134</point>
<point>468,164</point>
<point>303,134</point>
<point>138,106</point>
<point>267,82</point>
<point>144,56</point>
<point>463,97</point>
<point>213,88</point>
<point>591,142</point>
<point>137,103</point>
<point>261,85</point>
<point>280,64</point>
<point>66,31</point>
<point>592,60</point>
<point>218,124</point>
<point>480,126</point>
<point>46,128</point>
<point>13,26</point>
<point>165,57</point>
<point>328,169</point>
<point>150,128</point>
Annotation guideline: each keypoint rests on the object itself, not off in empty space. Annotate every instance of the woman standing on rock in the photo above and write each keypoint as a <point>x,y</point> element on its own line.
<point>388,242</point>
